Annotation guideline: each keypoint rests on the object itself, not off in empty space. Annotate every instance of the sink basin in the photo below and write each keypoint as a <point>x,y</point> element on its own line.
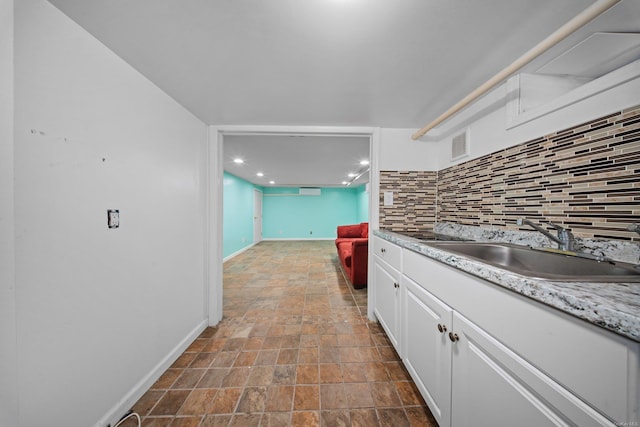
<point>544,265</point>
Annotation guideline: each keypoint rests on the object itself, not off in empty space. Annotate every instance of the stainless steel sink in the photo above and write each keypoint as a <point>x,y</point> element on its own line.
<point>540,264</point>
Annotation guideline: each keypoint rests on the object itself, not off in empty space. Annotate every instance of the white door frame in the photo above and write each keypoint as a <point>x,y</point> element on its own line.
<point>257,216</point>
<point>213,194</point>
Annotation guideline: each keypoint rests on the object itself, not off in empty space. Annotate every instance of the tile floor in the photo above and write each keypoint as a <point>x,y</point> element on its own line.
<point>294,348</point>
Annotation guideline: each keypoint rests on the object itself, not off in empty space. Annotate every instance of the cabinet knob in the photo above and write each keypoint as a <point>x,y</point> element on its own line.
<point>442,328</point>
<point>383,250</point>
<point>396,285</point>
<point>453,337</point>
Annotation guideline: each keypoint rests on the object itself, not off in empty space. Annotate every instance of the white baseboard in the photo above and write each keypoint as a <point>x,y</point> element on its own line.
<point>129,399</point>
<point>236,253</point>
<point>300,238</point>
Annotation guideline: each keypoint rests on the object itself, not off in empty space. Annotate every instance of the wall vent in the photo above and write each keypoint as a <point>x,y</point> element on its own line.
<point>460,145</point>
<point>309,191</point>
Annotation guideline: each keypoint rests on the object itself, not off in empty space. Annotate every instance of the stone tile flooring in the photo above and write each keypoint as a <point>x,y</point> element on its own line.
<point>295,348</point>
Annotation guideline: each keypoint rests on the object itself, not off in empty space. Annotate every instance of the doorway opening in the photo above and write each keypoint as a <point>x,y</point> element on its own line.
<point>214,196</point>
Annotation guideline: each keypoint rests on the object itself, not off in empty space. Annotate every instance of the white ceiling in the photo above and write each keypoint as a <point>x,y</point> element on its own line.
<point>302,160</point>
<point>379,63</point>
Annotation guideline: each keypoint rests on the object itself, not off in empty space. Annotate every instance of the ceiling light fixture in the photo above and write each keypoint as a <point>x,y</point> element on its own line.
<point>238,160</point>
<point>364,162</point>
<point>345,183</point>
<point>260,174</point>
<point>351,175</point>
<point>272,182</point>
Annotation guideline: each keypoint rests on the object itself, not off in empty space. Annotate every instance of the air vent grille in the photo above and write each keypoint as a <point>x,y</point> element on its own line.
<point>460,145</point>
<point>309,191</point>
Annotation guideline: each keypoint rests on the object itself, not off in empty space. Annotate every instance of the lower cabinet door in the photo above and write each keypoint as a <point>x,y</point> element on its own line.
<point>427,322</point>
<point>386,305</point>
<point>492,386</point>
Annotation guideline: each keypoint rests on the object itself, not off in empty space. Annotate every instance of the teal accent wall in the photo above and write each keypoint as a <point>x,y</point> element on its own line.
<point>362,204</point>
<point>237,214</point>
<point>286,215</point>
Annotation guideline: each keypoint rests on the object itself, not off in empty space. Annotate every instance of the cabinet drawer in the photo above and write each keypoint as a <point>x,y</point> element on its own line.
<point>387,251</point>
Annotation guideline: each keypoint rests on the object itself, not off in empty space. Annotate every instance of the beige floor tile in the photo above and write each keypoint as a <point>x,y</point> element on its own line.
<point>295,347</point>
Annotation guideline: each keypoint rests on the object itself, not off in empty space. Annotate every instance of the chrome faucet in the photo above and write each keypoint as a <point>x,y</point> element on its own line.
<point>565,238</point>
<point>635,227</point>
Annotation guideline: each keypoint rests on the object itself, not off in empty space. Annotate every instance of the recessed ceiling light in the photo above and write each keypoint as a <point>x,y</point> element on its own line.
<point>364,162</point>
<point>344,183</point>
<point>272,182</point>
<point>238,160</point>
<point>351,175</point>
<point>260,174</point>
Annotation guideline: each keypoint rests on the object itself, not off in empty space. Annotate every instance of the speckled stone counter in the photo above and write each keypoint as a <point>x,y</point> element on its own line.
<point>613,306</point>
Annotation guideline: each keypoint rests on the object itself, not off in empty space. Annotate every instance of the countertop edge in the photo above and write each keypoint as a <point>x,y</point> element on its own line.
<point>603,305</point>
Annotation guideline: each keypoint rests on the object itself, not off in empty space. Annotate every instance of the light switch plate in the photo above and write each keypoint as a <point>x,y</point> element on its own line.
<point>388,198</point>
<point>113,218</point>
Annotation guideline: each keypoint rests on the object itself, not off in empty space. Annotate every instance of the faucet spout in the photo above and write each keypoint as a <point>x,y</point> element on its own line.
<point>564,240</point>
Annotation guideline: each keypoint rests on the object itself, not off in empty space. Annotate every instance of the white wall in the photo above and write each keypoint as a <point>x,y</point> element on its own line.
<point>99,312</point>
<point>487,122</point>
<point>399,152</point>
<point>8,360</point>
<point>488,131</point>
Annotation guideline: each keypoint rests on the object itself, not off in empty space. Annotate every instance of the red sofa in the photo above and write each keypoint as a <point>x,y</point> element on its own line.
<point>353,250</point>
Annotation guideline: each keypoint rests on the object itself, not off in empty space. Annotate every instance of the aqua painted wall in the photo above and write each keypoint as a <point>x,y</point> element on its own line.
<point>286,215</point>
<point>237,214</point>
<point>362,196</point>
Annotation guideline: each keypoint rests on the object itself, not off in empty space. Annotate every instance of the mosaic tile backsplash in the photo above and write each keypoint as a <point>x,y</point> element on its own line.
<point>586,178</point>
<point>414,200</point>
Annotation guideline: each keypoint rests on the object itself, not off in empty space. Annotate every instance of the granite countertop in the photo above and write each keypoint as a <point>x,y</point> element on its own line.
<point>613,306</point>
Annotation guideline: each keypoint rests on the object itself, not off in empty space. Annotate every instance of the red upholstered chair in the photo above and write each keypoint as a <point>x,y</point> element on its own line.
<point>353,250</point>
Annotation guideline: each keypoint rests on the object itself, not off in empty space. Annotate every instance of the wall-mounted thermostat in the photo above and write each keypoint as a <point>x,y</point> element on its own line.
<point>113,218</point>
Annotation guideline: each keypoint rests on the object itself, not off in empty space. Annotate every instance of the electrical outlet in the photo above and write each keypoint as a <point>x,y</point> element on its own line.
<point>310,232</point>
<point>113,218</point>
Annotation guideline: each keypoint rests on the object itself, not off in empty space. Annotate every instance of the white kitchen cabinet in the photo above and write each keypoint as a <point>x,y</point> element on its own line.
<point>427,354</point>
<point>507,360</point>
<point>468,378</point>
<point>386,287</point>
<point>388,300</point>
<point>492,386</point>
